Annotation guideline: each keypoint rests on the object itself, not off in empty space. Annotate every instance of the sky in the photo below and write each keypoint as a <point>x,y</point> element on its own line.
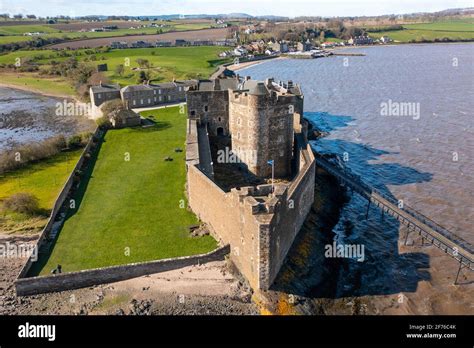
<point>289,8</point>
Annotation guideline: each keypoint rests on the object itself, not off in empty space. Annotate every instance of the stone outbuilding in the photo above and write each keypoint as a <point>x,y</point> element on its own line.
<point>124,118</point>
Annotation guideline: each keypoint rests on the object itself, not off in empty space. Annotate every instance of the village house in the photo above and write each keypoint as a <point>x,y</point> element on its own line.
<point>304,46</point>
<point>360,40</point>
<point>163,44</point>
<point>281,46</point>
<point>139,96</point>
<point>146,95</point>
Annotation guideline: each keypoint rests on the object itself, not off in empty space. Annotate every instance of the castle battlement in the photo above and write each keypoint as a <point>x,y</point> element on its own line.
<point>262,118</point>
<point>261,199</point>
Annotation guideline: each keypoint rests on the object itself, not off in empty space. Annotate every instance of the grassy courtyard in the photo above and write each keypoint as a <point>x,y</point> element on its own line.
<point>131,210</point>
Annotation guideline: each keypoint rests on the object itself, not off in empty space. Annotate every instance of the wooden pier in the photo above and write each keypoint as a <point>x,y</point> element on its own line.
<point>431,232</point>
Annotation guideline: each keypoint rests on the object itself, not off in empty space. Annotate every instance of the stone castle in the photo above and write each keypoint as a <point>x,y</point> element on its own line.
<point>250,169</point>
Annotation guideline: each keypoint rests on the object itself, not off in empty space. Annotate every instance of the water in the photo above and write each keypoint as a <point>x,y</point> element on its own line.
<point>426,159</point>
<point>28,117</point>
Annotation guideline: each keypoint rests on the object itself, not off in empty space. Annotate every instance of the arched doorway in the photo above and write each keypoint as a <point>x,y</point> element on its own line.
<point>220,131</point>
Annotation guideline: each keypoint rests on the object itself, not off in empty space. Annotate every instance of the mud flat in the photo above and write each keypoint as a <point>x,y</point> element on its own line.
<point>27,117</point>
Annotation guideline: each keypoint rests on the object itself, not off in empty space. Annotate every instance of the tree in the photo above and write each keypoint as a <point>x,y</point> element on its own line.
<point>143,76</point>
<point>119,69</point>
<point>143,63</point>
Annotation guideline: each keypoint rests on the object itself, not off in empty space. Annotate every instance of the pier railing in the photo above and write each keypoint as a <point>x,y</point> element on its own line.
<point>430,230</point>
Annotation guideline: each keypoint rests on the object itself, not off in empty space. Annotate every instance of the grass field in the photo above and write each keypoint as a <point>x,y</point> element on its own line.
<point>167,63</point>
<point>134,205</point>
<point>44,180</point>
<point>35,83</point>
<point>455,30</point>
<point>11,34</point>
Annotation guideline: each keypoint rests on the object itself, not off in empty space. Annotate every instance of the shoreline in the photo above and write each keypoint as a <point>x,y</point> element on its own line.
<point>37,91</point>
<point>245,65</point>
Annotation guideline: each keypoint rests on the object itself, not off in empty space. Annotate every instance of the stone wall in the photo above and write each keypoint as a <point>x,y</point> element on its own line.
<point>211,108</point>
<point>81,279</point>
<point>259,226</point>
<point>58,204</point>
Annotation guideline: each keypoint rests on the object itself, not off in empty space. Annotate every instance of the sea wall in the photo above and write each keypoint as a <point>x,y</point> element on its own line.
<point>60,201</point>
<point>81,279</point>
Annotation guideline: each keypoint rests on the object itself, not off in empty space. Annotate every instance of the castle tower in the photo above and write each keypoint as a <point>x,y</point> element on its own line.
<point>261,123</point>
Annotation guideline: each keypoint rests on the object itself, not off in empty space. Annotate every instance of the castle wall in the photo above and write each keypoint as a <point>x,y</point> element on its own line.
<point>231,221</point>
<point>260,234</point>
<point>211,108</point>
<point>290,216</point>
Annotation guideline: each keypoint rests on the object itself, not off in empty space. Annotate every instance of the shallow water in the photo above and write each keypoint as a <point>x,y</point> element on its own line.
<point>27,117</point>
<point>413,159</point>
<point>425,159</point>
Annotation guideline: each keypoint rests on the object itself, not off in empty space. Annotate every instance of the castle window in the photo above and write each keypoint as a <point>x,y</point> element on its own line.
<point>180,89</point>
<point>154,91</point>
<point>154,98</point>
<point>99,96</point>
<point>219,119</point>
<point>193,113</point>
<point>134,102</point>
<point>239,121</point>
<point>159,91</point>
<point>160,98</point>
<point>169,98</point>
<point>282,153</point>
<point>141,101</point>
<point>149,100</point>
<point>206,108</point>
<point>238,137</point>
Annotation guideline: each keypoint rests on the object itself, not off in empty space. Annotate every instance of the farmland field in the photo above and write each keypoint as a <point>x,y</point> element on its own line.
<point>73,31</point>
<point>455,30</point>
<point>205,34</point>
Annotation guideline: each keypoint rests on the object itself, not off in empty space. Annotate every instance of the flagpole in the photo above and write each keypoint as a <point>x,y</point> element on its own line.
<point>273,176</point>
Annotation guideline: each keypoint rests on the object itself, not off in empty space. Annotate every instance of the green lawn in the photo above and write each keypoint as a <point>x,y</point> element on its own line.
<point>45,180</point>
<point>166,63</point>
<point>40,84</point>
<point>135,204</point>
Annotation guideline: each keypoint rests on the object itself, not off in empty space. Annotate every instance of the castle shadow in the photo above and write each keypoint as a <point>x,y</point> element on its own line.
<point>340,215</point>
